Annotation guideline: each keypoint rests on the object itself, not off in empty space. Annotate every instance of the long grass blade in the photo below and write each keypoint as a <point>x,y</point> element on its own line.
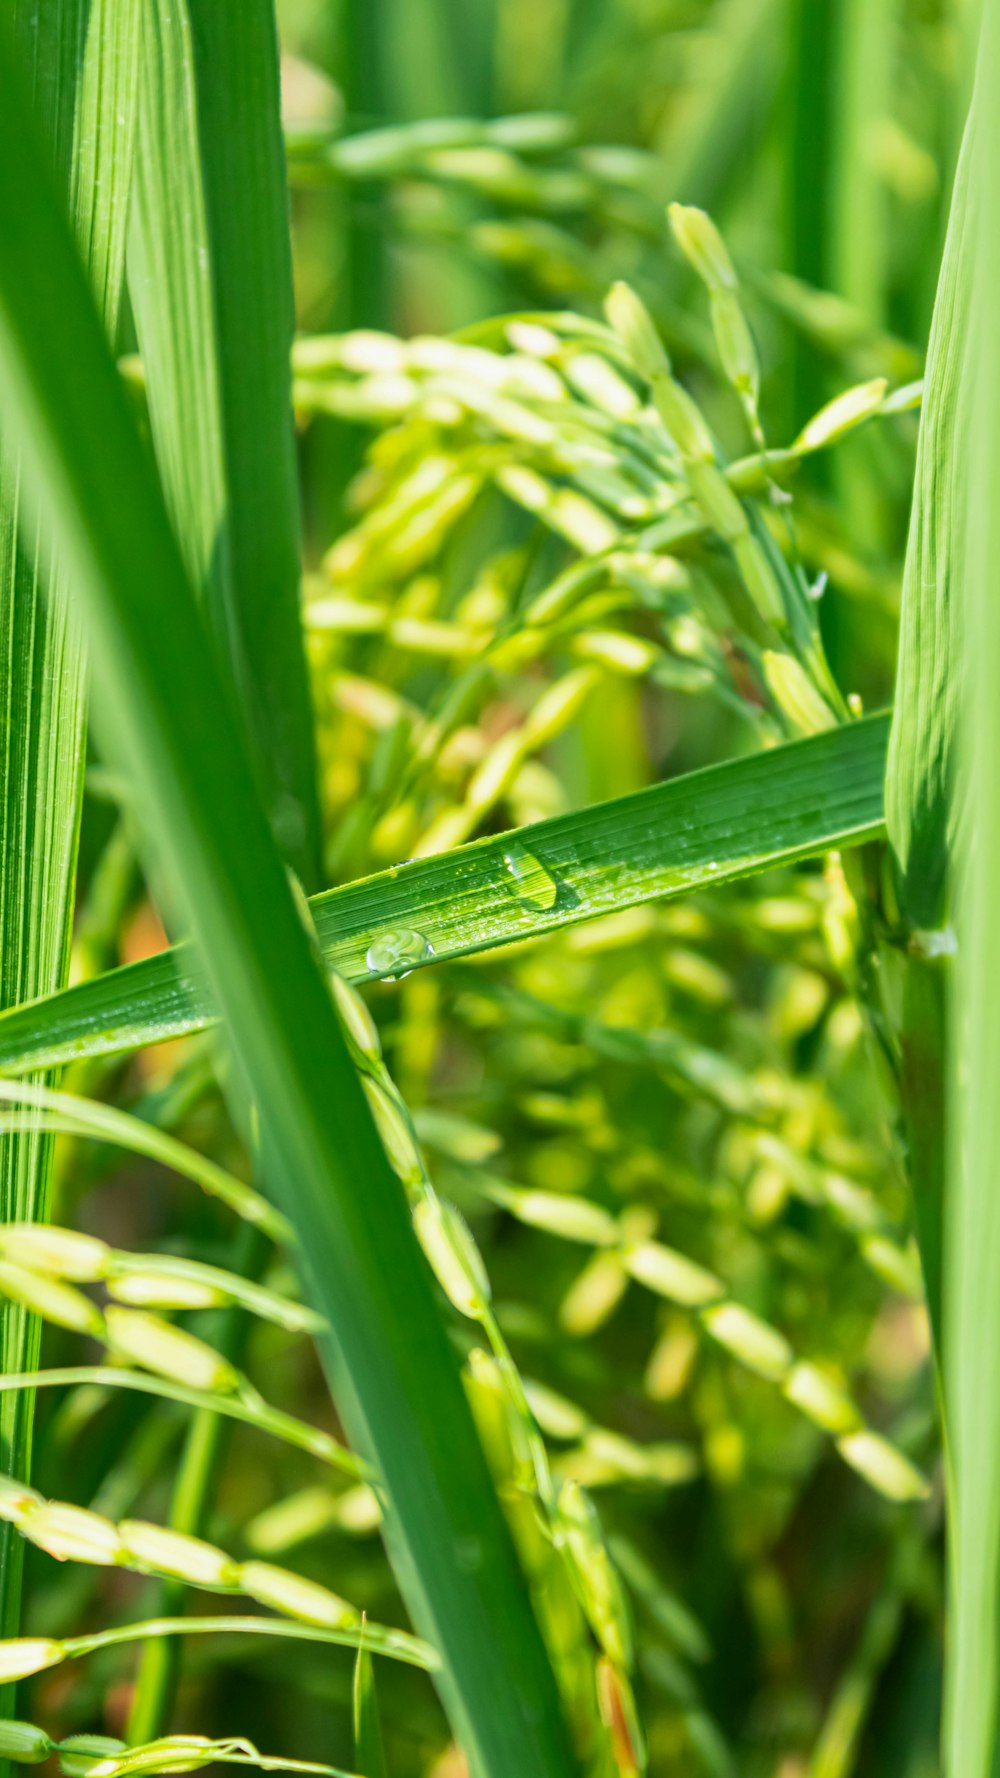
<point>211,283</point>
<point>81,63</point>
<point>198,276</point>
<point>166,720</point>
<point>919,805</point>
<point>706,828</point>
<point>922,742</point>
<point>368,1754</point>
<point>972,1214</point>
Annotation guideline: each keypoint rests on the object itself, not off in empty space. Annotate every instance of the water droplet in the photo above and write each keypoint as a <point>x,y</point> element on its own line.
<point>399,946</point>
<point>941,943</point>
<point>534,885</point>
<point>713,867</point>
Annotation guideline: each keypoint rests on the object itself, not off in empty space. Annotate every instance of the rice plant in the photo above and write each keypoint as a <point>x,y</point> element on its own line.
<point>497,1012</point>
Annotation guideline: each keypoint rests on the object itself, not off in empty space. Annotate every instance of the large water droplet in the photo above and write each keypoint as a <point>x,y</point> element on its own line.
<point>534,885</point>
<point>398,950</point>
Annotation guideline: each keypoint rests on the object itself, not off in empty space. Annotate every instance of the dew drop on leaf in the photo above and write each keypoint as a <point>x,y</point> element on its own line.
<point>533,884</point>
<point>401,946</point>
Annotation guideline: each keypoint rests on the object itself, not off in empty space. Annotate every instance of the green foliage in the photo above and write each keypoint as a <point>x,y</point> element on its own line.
<point>712,827</point>
<point>211,290</point>
<point>388,1356</point>
<point>83,61</point>
<point>972,1237</point>
<point>928,697</point>
<point>605,1063</point>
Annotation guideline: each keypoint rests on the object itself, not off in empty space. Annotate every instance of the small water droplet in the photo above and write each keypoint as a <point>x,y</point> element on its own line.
<point>941,943</point>
<point>534,885</point>
<point>713,867</point>
<point>399,946</point>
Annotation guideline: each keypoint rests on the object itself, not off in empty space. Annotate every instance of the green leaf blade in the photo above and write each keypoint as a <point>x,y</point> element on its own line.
<point>81,62</point>
<point>921,758</point>
<point>211,281</point>
<point>706,828</point>
<point>972,1205</point>
<point>165,713</point>
<point>369,1756</point>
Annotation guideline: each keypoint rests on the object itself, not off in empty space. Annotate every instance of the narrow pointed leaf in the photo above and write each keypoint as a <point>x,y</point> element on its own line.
<point>920,806</point>
<point>211,283</point>
<point>922,742</point>
<point>971,1319</point>
<point>693,832</point>
<point>167,721</point>
<point>369,1757</point>
<point>203,271</point>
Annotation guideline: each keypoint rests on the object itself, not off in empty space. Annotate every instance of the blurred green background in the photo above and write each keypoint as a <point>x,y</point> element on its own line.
<point>820,134</point>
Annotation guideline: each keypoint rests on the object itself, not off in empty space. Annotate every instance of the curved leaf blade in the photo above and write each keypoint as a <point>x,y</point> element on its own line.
<point>708,827</point>
<point>169,724</point>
